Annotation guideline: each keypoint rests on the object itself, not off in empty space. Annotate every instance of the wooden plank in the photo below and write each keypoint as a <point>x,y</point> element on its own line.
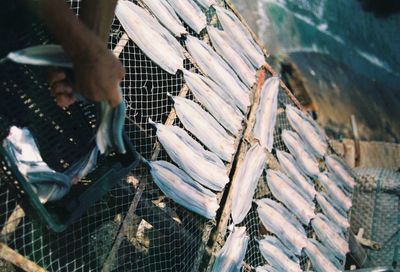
<point>9,255</point>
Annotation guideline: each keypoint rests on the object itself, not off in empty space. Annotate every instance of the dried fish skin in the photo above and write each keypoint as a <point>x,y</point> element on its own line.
<point>292,169</point>
<point>330,235</point>
<point>286,192</point>
<point>308,130</point>
<point>279,221</point>
<point>182,189</point>
<point>321,257</point>
<point>203,166</point>
<point>334,213</point>
<point>167,16</point>
<point>335,192</point>
<point>230,257</point>
<point>205,128</point>
<point>278,255</point>
<point>341,170</point>
<point>298,149</point>
<point>246,181</point>
<point>190,13</point>
<point>152,38</point>
<point>212,98</point>
<point>234,28</point>
<point>219,71</point>
<point>221,43</point>
<point>264,126</point>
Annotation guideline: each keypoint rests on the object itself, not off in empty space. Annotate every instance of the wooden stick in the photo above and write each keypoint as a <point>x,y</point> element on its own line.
<point>120,45</point>
<point>12,223</point>
<point>9,255</point>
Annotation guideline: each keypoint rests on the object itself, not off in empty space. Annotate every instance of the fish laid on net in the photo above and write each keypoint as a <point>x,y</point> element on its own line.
<point>334,191</point>
<point>219,71</point>
<point>234,28</point>
<point>206,4</point>
<point>307,162</point>
<point>223,44</point>
<point>331,235</point>
<point>202,165</point>
<point>336,214</point>
<point>266,113</point>
<point>182,189</point>
<point>308,131</point>
<point>288,193</point>
<point>321,258</point>
<point>279,221</point>
<point>212,97</point>
<point>202,125</point>
<point>341,170</point>
<point>290,166</point>
<point>278,255</point>
<point>266,268</point>
<point>167,16</point>
<point>230,257</point>
<point>150,36</point>
<point>190,13</point>
<point>246,180</point>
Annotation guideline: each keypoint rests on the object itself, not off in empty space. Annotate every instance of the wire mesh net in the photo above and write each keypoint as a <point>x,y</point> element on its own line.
<point>133,227</point>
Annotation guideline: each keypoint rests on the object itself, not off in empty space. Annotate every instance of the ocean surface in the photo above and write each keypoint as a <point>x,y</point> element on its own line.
<point>347,58</point>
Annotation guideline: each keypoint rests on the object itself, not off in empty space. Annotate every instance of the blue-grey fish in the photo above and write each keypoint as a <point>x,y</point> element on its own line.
<point>334,191</point>
<point>333,212</point>
<point>341,170</point>
<point>321,258</point>
<point>205,4</point>
<point>190,13</point>
<point>230,257</point>
<point>246,180</point>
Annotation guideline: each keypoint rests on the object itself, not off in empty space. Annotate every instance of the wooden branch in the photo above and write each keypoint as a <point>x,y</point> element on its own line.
<point>9,255</point>
<point>120,45</point>
<point>12,223</point>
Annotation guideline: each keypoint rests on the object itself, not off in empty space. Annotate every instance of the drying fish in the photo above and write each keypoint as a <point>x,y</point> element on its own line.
<point>266,113</point>
<point>265,268</point>
<point>286,192</point>
<point>182,189</point>
<point>190,13</point>
<point>290,166</point>
<point>334,192</point>
<point>279,221</point>
<point>211,97</point>
<point>167,16</point>
<point>297,148</point>
<point>246,180</point>
<point>308,131</point>
<point>205,128</point>
<point>205,4</point>
<point>330,235</point>
<point>278,255</point>
<point>340,169</point>
<point>219,71</point>
<point>222,44</point>
<point>203,166</point>
<point>152,38</point>
<point>321,258</point>
<point>230,257</point>
<point>234,28</point>
<point>337,215</point>
<point>84,166</point>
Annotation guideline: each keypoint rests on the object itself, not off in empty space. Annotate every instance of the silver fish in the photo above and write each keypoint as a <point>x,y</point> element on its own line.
<point>205,128</point>
<point>219,71</point>
<point>246,180</point>
<point>203,166</point>
<point>297,148</point>
<point>182,189</point>
<point>330,235</point>
<point>205,4</point>
<point>290,166</point>
<point>334,213</point>
<point>334,192</point>
<point>211,97</point>
<point>279,221</point>
<point>266,268</point>
<point>190,13</point>
<point>222,44</point>
<point>234,28</point>
<point>230,257</point>
<point>341,170</point>
<point>286,192</point>
<point>152,38</point>
<point>307,129</point>
<point>266,113</point>
<point>321,258</point>
<point>167,16</point>
<point>278,255</point>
